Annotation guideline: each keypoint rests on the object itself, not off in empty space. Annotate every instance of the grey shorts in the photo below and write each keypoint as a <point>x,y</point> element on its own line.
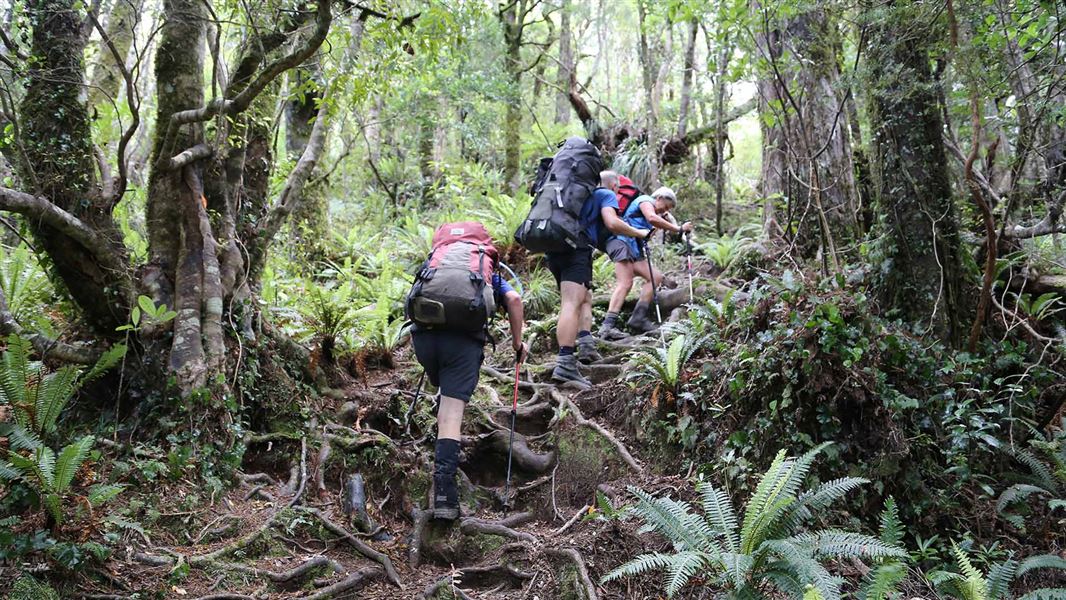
<point>619,251</point>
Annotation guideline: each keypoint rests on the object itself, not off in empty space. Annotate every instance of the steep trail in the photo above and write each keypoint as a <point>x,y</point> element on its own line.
<point>338,510</point>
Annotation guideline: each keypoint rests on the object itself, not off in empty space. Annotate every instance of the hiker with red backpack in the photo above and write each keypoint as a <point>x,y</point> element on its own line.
<point>574,199</point>
<point>629,258</point>
<point>454,296</point>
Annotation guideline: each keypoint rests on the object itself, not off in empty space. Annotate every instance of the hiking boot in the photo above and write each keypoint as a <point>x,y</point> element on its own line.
<point>586,350</point>
<point>611,332</point>
<point>640,321</point>
<point>445,498</point>
<point>566,371</point>
<point>445,490</point>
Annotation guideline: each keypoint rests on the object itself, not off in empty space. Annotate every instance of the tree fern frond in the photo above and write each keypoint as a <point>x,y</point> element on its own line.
<point>69,461</point>
<point>1000,576</point>
<point>719,512</point>
<point>1041,561</point>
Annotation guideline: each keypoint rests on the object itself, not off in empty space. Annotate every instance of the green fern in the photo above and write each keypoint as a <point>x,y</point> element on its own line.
<point>768,550</point>
<point>657,367</point>
<point>1046,477</point>
<point>890,571</point>
<point>971,584</point>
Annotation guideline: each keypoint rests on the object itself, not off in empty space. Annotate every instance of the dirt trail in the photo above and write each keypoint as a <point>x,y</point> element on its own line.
<point>340,511</point>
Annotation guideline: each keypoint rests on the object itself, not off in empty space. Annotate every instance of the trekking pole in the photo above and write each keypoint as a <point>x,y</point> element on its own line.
<point>411,409</point>
<point>654,292</point>
<point>688,264</point>
<point>514,412</point>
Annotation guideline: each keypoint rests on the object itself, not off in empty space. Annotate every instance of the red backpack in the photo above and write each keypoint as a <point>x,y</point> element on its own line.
<point>453,289</point>
<point>627,192</point>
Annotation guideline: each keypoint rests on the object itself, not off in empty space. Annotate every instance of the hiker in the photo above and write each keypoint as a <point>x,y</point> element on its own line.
<point>627,254</point>
<point>451,303</point>
<point>573,274</point>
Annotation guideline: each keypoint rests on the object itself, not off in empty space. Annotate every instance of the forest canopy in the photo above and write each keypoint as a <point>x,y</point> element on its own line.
<point>213,213</point>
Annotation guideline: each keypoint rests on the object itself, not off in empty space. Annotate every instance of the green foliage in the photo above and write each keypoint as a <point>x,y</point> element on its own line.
<point>888,572</point>
<point>768,549</point>
<point>1047,478</point>
<point>25,285</point>
<point>28,588</point>
<point>662,369</point>
<point>151,314</point>
<point>726,249</point>
<point>969,583</point>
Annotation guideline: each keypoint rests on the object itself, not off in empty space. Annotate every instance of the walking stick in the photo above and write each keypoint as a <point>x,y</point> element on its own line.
<point>411,409</point>
<point>688,264</point>
<point>654,292</point>
<point>514,412</point>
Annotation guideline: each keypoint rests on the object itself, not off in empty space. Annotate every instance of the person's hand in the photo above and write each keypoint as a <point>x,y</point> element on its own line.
<point>686,227</point>
<point>521,351</point>
<point>645,233</point>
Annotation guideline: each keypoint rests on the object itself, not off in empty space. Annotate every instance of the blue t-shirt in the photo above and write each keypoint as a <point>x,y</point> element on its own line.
<point>634,218</point>
<point>590,212</point>
<point>500,287</point>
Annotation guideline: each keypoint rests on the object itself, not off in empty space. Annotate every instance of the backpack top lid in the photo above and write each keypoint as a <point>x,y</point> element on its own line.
<point>470,232</point>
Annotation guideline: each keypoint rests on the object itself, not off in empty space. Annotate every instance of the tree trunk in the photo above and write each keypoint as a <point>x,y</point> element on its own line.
<point>310,222</point>
<point>56,162</point>
<point>685,101</point>
<point>648,72</point>
<point>106,76</point>
<point>565,72</point>
<point>921,275</point>
<point>511,19</point>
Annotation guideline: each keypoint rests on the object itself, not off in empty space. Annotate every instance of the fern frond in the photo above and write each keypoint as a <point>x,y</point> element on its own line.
<point>974,586</point>
<point>107,361</point>
<point>53,393</point>
<point>15,372</point>
<point>69,461</point>
<point>1045,594</point>
<point>656,561</point>
<point>682,567</point>
<point>719,512</point>
<point>1041,561</point>
<point>891,526</point>
<point>674,520</point>
<point>812,502</point>
<point>20,438</point>
<point>1040,470</point>
<point>102,493</point>
<point>8,472</point>
<point>805,567</point>
<point>753,512</point>
<point>737,566</point>
<point>881,582</point>
<point>1017,493</point>
<point>835,543</point>
<point>812,593</point>
<point>1000,576</point>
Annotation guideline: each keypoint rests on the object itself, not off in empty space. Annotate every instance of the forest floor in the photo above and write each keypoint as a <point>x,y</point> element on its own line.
<point>291,530</point>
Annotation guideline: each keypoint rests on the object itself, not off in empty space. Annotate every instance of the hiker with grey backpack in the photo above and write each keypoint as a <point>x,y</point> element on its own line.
<point>573,200</point>
<point>451,303</point>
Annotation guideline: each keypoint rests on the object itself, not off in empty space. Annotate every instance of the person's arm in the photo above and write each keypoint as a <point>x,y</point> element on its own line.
<point>648,210</point>
<point>516,317</point>
<point>619,227</point>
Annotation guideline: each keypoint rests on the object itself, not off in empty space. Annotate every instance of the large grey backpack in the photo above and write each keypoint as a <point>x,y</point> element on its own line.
<point>559,193</point>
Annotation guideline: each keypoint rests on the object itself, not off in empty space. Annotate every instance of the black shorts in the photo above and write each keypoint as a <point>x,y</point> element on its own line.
<point>573,266</point>
<point>452,361</point>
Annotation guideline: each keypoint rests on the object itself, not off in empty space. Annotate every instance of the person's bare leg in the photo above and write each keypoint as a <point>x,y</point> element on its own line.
<point>641,269</point>
<point>586,312</point>
<point>573,297</point>
<point>450,418</point>
<point>623,282</point>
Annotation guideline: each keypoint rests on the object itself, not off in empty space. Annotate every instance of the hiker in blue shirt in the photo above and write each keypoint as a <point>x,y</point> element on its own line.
<point>627,254</point>
<point>573,273</point>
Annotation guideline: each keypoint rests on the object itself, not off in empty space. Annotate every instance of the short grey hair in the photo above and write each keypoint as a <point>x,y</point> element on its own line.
<point>666,194</point>
<point>608,178</point>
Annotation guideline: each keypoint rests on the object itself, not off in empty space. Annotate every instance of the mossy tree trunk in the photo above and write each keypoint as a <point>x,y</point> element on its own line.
<point>921,271</point>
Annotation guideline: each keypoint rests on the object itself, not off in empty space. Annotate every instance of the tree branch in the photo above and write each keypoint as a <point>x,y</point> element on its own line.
<point>46,347</point>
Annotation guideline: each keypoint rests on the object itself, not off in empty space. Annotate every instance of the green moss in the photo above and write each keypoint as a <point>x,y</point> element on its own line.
<point>28,588</point>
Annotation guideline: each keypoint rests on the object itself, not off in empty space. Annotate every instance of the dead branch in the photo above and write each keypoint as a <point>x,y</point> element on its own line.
<point>574,519</point>
<point>472,525</point>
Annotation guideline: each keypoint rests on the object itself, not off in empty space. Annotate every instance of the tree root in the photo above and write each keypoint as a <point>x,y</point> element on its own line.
<point>358,544</point>
<point>582,571</point>
<point>348,583</point>
<point>509,379</point>
<point>297,572</point>
<point>472,525</point>
<point>524,458</point>
<point>581,420</point>
<point>510,575</point>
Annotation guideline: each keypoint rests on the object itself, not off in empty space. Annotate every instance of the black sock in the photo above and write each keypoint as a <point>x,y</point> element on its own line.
<point>446,461</point>
<point>566,350</point>
<point>611,319</point>
<point>583,333</point>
